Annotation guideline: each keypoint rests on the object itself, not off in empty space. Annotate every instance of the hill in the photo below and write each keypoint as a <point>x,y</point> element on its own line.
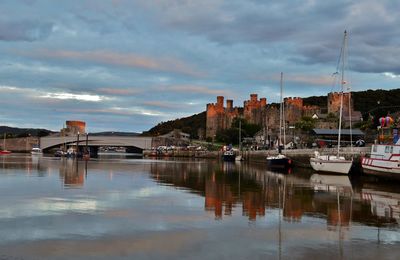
<point>23,132</point>
<point>189,125</point>
<point>109,133</point>
<point>377,102</point>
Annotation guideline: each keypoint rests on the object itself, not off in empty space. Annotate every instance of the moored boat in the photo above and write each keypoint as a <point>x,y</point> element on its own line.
<point>36,151</point>
<point>384,159</point>
<point>4,151</point>
<point>279,161</point>
<point>330,163</point>
<point>334,163</point>
<point>229,156</point>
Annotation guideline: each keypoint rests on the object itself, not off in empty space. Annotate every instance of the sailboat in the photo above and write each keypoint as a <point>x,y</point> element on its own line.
<point>335,163</point>
<point>4,150</point>
<point>280,161</point>
<point>240,157</point>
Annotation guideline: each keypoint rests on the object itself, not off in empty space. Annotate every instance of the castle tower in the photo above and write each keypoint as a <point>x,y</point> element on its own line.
<point>293,109</point>
<point>334,103</point>
<point>253,109</point>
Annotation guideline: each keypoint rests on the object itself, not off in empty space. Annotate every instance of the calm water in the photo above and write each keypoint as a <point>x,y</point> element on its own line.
<point>122,208</point>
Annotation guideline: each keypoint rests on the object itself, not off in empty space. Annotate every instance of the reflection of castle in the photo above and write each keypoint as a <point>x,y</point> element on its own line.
<point>72,174</point>
<point>257,111</point>
<point>226,187</point>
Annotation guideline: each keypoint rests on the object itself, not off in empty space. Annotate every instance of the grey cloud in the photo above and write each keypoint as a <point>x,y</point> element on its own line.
<point>24,30</point>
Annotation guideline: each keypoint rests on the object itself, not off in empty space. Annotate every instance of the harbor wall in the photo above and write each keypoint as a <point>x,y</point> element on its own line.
<point>23,144</point>
<point>300,157</point>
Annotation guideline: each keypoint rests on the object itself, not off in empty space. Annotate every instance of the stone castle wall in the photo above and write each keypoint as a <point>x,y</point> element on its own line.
<point>256,111</point>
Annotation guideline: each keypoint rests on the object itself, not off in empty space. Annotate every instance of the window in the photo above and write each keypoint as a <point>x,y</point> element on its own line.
<point>388,149</point>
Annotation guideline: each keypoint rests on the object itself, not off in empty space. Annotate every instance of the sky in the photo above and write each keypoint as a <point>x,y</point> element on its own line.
<point>126,65</point>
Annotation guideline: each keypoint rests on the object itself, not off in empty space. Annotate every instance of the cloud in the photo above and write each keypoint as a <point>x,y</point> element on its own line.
<point>130,60</point>
<point>118,91</point>
<point>193,89</point>
<point>161,104</point>
<point>122,111</point>
<point>79,97</point>
<point>24,30</point>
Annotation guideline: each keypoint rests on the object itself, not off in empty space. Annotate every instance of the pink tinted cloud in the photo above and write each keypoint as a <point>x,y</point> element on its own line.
<point>132,60</point>
<point>160,104</point>
<point>197,90</point>
<point>118,91</point>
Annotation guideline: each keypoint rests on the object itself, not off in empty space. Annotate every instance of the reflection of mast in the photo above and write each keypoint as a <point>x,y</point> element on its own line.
<point>280,209</point>
<point>340,226</point>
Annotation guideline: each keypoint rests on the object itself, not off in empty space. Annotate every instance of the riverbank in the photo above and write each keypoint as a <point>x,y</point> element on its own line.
<point>299,156</point>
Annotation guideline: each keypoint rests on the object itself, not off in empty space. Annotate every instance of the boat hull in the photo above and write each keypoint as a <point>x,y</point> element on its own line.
<point>331,166</point>
<point>4,152</point>
<point>228,157</point>
<point>381,167</point>
<point>279,163</point>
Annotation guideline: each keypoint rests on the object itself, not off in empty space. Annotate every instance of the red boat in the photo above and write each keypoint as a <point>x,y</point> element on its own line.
<point>3,152</point>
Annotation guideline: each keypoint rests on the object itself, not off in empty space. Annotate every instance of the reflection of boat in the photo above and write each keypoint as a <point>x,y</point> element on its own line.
<point>335,163</point>
<point>280,161</point>
<point>331,183</point>
<point>36,151</point>
<point>383,204</point>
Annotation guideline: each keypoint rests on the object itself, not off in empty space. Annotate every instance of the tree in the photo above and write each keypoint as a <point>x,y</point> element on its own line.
<point>306,123</point>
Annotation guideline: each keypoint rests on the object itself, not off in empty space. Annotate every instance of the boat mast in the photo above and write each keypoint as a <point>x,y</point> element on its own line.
<point>341,94</point>
<point>240,135</point>
<point>280,114</point>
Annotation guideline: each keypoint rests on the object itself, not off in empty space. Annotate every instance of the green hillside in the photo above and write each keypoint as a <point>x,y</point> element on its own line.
<point>189,125</point>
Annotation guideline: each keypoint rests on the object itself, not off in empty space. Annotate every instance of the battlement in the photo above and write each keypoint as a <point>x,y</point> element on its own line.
<point>294,101</point>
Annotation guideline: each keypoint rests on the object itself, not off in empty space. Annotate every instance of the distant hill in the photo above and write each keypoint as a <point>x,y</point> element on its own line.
<point>109,133</point>
<point>23,132</point>
<point>189,125</point>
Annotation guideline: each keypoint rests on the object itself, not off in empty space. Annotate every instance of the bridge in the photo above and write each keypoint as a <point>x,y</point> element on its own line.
<point>134,143</point>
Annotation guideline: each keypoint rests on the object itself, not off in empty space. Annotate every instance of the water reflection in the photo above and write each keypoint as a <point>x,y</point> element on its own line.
<point>227,187</point>
<point>73,173</point>
<point>247,207</point>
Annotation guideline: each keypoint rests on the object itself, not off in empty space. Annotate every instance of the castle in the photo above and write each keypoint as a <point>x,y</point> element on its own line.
<point>257,111</point>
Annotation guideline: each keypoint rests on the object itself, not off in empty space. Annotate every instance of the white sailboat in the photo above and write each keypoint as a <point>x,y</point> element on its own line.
<point>280,161</point>
<point>334,162</point>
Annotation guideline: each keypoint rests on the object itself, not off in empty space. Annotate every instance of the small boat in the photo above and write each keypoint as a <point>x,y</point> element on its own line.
<point>59,153</point>
<point>334,163</point>
<point>36,151</point>
<point>280,161</point>
<point>4,151</point>
<point>384,158</point>
<point>229,156</point>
